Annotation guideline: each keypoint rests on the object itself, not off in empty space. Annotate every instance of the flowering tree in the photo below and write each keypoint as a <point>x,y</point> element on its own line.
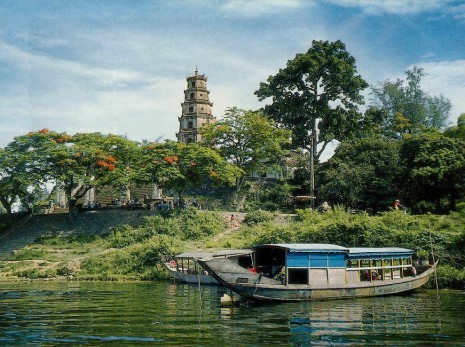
<point>177,166</point>
<point>81,162</point>
<point>74,163</point>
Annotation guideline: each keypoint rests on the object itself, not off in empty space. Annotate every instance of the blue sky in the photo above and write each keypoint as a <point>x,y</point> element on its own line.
<point>120,66</point>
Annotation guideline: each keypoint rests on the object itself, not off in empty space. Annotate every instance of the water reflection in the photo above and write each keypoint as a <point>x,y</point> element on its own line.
<point>130,314</point>
<point>416,319</point>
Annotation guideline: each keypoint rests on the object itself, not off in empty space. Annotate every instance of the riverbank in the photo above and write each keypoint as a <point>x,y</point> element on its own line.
<point>130,245</point>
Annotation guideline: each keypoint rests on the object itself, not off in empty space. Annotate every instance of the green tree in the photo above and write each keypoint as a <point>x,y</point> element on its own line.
<point>249,140</point>
<point>22,170</point>
<point>158,163</point>
<point>178,166</point>
<point>409,108</point>
<point>362,174</point>
<point>127,154</point>
<point>317,90</point>
<point>74,163</point>
<point>458,131</point>
<point>14,180</point>
<point>433,171</point>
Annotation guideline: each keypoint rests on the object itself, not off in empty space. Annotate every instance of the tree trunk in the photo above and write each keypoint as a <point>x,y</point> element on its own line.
<point>239,183</point>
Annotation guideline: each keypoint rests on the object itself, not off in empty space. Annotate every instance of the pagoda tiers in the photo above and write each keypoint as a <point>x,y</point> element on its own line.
<point>196,109</point>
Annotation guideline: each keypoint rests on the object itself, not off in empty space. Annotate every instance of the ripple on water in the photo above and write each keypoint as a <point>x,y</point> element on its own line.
<point>136,314</point>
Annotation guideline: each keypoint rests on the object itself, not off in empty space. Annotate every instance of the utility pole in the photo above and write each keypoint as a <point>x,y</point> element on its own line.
<point>312,174</point>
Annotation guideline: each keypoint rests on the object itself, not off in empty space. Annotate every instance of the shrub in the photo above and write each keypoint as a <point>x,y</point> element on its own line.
<point>124,235</point>
<point>187,224</point>
<point>258,216</point>
<point>135,260</point>
<point>29,254</point>
<point>35,273</point>
<point>450,277</point>
<point>64,271</point>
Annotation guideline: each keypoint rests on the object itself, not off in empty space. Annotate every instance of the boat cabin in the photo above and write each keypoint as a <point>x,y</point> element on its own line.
<point>326,264</point>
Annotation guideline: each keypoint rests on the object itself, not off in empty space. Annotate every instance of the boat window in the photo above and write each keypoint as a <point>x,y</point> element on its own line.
<point>298,276</point>
<point>396,262</point>
<point>388,274</point>
<point>406,261</point>
<point>365,275</point>
<point>365,263</point>
<point>352,263</point>
<point>377,274</point>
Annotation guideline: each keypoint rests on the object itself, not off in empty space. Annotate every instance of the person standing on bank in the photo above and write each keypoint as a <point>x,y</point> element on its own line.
<point>397,205</point>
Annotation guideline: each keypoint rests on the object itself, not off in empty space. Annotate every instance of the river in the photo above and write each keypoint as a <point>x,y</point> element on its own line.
<point>164,314</point>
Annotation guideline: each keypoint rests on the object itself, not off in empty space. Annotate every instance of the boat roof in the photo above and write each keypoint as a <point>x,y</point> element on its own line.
<point>306,247</point>
<point>231,252</point>
<point>222,253</point>
<point>359,251</point>
<point>193,255</point>
<point>330,248</point>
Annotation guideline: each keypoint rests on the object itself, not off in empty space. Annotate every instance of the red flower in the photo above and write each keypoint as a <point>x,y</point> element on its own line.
<point>63,138</point>
<point>102,163</point>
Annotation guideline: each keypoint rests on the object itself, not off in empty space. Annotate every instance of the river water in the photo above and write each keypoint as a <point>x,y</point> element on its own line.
<point>164,314</point>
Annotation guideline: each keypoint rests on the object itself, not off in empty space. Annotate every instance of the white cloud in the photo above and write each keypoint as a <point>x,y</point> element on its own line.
<point>446,78</point>
<point>257,8</point>
<point>458,12</point>
<point>24,60</point>
<point>379,7</point>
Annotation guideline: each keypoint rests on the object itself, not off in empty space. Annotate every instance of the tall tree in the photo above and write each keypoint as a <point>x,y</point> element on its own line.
<point>22,168</point>
<point>433,171</point>
<point>317,90</point>
<point>249,140</point>
<point>409,108</point>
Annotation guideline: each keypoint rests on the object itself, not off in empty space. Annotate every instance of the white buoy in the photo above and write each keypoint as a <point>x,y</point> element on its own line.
<point>227,300</point>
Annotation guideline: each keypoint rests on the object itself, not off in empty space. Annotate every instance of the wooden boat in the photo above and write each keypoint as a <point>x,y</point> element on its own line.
<point>297,272</point>
<point>185,268</point>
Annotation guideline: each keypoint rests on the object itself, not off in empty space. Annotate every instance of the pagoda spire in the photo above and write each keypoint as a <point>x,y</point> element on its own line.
<point>196,109</point>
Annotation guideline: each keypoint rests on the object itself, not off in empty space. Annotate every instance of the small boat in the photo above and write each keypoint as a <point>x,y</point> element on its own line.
<point>185,268</point>
<point>300,272</point>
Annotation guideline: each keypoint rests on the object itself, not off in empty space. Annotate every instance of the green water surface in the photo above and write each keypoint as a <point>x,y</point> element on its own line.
<point>164,314</point>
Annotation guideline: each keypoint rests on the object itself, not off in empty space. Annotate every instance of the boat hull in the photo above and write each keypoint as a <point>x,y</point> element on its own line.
<point>192,278</point>
<point>273,290</point>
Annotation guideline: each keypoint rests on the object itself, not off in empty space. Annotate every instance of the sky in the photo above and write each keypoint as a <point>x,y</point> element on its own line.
<point>120,67</point>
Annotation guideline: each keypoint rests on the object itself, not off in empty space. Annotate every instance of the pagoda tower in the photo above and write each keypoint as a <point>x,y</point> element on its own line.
<point>196,109</point>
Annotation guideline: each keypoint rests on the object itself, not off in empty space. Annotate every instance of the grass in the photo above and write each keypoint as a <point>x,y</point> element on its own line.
<point>135,251</point>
